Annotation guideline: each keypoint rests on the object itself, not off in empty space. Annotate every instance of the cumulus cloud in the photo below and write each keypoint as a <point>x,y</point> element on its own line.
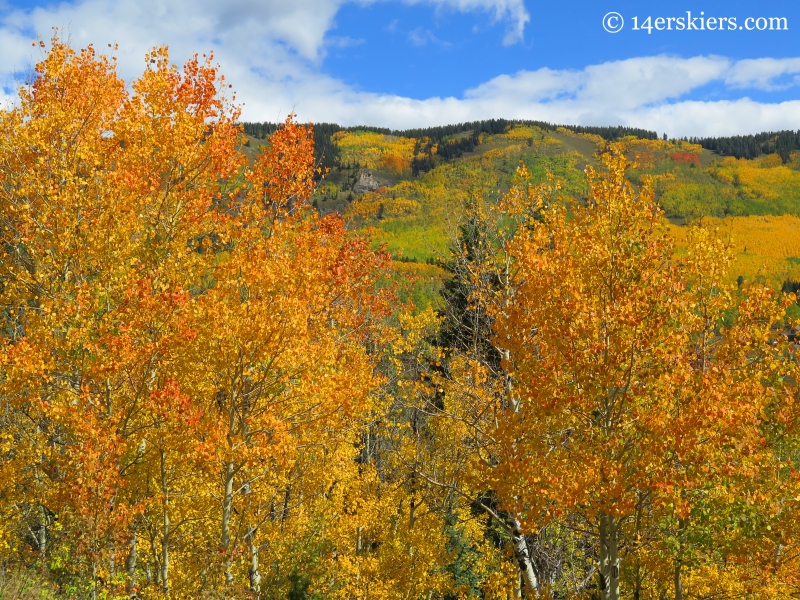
<point>725,117</point>
<point>261,44</point>
<point>768,74</point>
<point>272,52</point>
<point>235,25</point>
<point>641,92</point>
<point>624,84</point>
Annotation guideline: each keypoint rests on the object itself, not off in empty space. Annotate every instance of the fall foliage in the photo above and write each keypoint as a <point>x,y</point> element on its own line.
<point>210,389</point>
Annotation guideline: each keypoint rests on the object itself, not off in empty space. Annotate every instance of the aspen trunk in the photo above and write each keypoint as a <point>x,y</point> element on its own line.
<point>165,529</point>
<point>94,581</point>
<point>152,569</point>
<point>42,534</point>
<point>112,559</point>
<point>130,566</point>
<point>777,561</point>
<point>255,576</point>
<point>524,562</point>
<point>228,476</point>
<point>285,513</point>
<point>227,503</point>
<point>609,558</point>
<point>637,586</point>
<point>165,557</point>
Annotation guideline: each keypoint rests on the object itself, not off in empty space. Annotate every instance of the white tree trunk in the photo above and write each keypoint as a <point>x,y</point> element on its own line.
<point>524,562</point>
<point>227,503</point>
<point>165,529</point>
<point>93,595</point>
<point>609,558</point>
<point>42,534</point>
<point>255,575</point>
<point>130,566</point>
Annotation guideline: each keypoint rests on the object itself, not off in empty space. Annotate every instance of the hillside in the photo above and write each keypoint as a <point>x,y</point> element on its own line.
<point>428,176</point>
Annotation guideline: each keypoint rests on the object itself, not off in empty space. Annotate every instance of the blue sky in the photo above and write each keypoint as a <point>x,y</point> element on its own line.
<point>404,63</point>
<point>416,51</point>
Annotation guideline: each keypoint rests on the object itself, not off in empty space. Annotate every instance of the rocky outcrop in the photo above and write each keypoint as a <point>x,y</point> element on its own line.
<point>366,183</point>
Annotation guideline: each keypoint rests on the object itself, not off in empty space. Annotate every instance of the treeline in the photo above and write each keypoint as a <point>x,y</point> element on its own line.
<point>782,143</point>
<point>426,159</point>
<point>489,126</point>
<point>326,152</point>
<point>448,148</point>
<point>612,134</point>
<point>435,134</point>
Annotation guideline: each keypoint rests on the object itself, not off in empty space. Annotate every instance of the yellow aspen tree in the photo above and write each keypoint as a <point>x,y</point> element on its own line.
<point>101,188</point>
<point>627,381</point>
<point>187,342</point>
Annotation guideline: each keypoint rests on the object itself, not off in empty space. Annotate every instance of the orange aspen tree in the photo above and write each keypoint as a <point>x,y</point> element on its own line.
<point>100,190</point>
<point>627,383</point>
<point>186,346</point>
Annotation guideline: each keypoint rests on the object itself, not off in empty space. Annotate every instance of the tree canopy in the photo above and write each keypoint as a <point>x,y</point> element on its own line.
<point>210,390</point>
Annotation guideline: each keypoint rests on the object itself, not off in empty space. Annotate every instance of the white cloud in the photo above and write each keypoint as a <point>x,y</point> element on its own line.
<point>272,51</point>
<point>764,73</point>
<point>630,83</point>
<point>259,43</point>
<point>325,99</point>
<point>623,84</point>
<point>641,92</point>
<point>511,11</point>
<point>725,117</point>
<point>233,25</point>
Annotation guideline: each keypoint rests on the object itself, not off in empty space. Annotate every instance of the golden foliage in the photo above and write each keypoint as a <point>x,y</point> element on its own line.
<point>765,177</point>
<point>767,247</point>
<point>209,389</point>
<point>185,366</point>
<point>632,406</point>
<point>377,206</point>
<point>375,150</point>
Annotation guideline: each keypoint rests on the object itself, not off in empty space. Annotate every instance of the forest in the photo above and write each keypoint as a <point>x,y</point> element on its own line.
<point>534,361</point>
<point>782,143</point>
<point>327,153</point>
